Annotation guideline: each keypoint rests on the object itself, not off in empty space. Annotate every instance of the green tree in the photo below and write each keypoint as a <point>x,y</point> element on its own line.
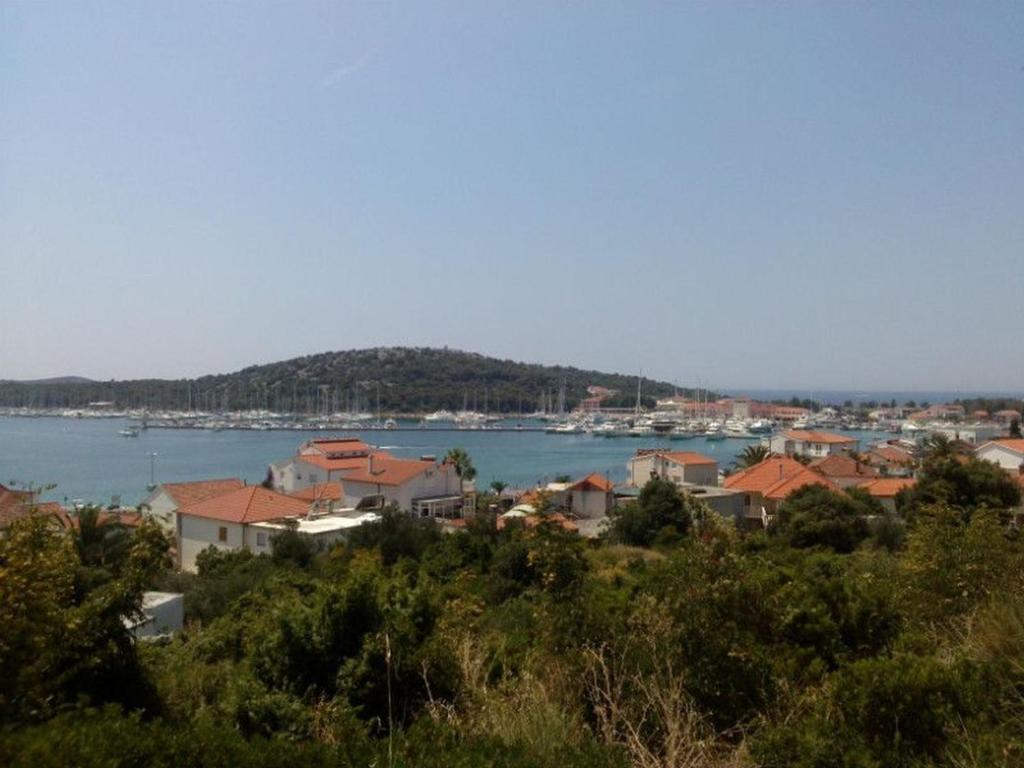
<point>1015,428</point>
<point>462,462</point>
<point>753,455</point>
<point>498,486</point>
<point>660,514</point>
<point>961,482</point>
<point>815,516</point>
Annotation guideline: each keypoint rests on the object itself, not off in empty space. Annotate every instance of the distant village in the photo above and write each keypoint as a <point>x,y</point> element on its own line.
<point>332,485</point>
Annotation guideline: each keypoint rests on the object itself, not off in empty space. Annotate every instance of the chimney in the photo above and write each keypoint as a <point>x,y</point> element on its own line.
<point>780,470</point>
<point>369,461</point>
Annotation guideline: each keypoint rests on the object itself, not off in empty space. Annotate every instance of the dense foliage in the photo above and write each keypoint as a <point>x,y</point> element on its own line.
<point>406,380</point>
<point>814,644</point>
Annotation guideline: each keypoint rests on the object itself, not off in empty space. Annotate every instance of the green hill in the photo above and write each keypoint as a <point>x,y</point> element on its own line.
<point>407,380</point>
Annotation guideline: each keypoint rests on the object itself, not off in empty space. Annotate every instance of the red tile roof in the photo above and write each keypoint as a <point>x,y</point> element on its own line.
<point>351,462</point>
<point>334,445</point>
<point>15,505</point>
<point>839,465</point>
<point>1013,443</point>
<point>887,487</point>
<point>250,504</point>
<point>688,457</point>
<point>818,437</point>
<point>387,470</point>
<point>321,492</point>
<point>185,494</point>
<point>760,477</point>
<point>593,482</point>
<point>894,455</point>
<point>786,486</point>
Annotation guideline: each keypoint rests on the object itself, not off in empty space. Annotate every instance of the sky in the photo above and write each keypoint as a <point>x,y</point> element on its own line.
<point>806,195</point>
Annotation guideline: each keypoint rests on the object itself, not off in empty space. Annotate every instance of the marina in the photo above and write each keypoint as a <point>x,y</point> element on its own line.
<point>88,460</point>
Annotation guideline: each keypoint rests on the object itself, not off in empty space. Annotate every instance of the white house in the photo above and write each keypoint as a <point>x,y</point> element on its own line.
<point>976,434</point>
<point>165,500</point>
<point>591,497</point>
<point>678,466</point>
<point>163,613</point>
<point>815,445</point>
<point>1008,454</point>
<point>422,486</point>
<point>226,522</point>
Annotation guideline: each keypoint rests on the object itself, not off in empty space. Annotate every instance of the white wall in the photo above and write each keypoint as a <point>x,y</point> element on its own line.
<point>591,504</point>
<point>434,482</point>
<point>1000,455</point>
<point>198,533</point>
<point>162,510</point>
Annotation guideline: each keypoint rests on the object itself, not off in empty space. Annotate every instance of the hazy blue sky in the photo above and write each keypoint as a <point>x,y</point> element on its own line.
<point>811,195</point>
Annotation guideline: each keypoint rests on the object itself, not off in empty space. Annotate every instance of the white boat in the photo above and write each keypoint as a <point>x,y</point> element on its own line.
<point>129,432</point>
<point>440,416</point>
<point>566,428</point>
<point>681,433</point>
<point>390,424</point>
<point>714,432</point>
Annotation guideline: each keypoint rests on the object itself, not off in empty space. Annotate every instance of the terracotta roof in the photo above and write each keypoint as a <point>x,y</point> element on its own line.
<point>249,504</point>
<point>760,477</point>
<point>786,486</point>
<point>387,470</point>
<point>593,481</point>
<point>351,462</point>
<point>818,437</point>
<point>185,494</point>
<point>687,457</point>
<point>321,491</point>
<point>15,505</point>
<point>329,445</point>
<point>839,465</point>
<point>1013,443</point>
<point>894,455</point>
<point>887,487</point>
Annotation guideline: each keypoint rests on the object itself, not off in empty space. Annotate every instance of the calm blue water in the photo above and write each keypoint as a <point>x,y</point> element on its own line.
<point>88,460</point>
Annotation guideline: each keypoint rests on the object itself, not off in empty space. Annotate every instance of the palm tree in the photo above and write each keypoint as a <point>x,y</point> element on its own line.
<point>498,486</point>
<point>100,540</point>
<point>459,459</point>
<point>753,454</point>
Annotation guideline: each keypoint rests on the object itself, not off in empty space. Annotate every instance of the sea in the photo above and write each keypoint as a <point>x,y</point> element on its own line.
<point>86,460</point>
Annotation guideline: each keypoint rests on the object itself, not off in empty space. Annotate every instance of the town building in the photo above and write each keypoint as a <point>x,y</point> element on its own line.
<point>592,497</point>
<point>974,434</point>
<point>886,489</point>
<point>844,470</point>
<point>370,477</point>
<point>802,442</point>
<point>891,460</point>
<point>677,466</point>
<point>163,502</point>
<point>767,484</point>
<point>15,505</point>
<point>1007,453</point>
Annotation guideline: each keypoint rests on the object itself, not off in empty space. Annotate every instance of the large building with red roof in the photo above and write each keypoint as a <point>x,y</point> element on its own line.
<point>166,499</point>
<point>812,444</point>
<point>680,467</point>
<point>423,486</point>
<point>767,484</point>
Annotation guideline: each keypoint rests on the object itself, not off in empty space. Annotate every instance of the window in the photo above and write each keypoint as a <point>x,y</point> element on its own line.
<point>222,534</point>
<point>261,539</point>
<point>313,478</point>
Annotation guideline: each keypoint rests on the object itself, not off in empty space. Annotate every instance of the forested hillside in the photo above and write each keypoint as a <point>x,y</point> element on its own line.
<point>406,380</point>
